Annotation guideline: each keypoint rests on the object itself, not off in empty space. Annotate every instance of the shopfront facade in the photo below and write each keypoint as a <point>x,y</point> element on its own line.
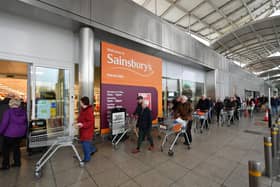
<point>64,55</point>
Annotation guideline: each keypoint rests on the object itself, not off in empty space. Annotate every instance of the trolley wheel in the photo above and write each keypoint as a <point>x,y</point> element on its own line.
<point>115,146</point>
<point>38,174</point>
<point>82,164</point>
<point>170,153</point>
<point>189,147</point>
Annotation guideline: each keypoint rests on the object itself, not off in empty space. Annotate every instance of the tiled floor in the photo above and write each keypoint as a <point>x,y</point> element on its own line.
<point>218,158</point>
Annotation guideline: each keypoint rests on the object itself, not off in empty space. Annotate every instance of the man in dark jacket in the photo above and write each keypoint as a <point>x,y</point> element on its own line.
<point>138,109</point>
<point>145,127</point>
<point>203,105</point>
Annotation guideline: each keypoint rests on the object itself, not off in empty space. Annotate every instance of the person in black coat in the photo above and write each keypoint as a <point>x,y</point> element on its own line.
<point>218,108</point>
<point>145,127</point>
<point>138,109</point>
<point>203,105</point>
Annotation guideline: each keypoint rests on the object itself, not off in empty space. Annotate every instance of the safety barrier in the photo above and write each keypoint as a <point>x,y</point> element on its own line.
<point>268,156</point>
<point>254,173</point>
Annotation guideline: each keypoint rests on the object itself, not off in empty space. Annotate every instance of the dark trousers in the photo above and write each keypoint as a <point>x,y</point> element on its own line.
<point>1,144</point>
<point>206,123</point>
<point>11,144</point>
<point>189,132</point>
<point>141,136</point>
<point>218,113</point>
<point>236,114</point>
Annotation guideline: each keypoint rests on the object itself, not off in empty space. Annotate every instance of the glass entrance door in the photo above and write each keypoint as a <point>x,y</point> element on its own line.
<point>51,97</point>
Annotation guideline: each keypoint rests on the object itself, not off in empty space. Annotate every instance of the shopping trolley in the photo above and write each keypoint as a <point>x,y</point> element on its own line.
<point>56,140</point>
<point>130,126</point>
<point>229,115</point>
<point>197,117</point>
<point>222,117</point>
<point>170,128</point>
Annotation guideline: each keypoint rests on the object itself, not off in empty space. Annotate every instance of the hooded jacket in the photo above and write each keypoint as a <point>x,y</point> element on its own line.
<point>14,123</point>
<point>87,119</point>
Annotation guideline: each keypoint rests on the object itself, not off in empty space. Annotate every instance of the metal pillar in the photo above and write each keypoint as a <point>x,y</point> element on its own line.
<point>86,62</point>
<point>268,156</point>
<point>274,134</point>
<point>254,173</point>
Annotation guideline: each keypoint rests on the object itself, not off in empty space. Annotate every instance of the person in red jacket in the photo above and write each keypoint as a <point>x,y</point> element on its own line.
<point>86,128</point>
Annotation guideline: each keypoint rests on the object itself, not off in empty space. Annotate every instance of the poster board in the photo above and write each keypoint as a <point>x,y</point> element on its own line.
<point>125,74</point>
<point>118,121</point>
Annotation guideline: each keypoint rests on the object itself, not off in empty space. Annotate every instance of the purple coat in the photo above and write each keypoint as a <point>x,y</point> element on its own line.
<point>14,123</point>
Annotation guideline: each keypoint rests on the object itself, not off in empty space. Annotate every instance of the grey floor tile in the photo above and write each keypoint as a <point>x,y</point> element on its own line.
<point>153,179</point>
<point>112,177</point>
<point>195,180</point>
<point>88,182</point>
<point>133,167</point>
<point>70,177</point>
<point>96,166</point>
<point>171,170</point>
<point>129,183</point>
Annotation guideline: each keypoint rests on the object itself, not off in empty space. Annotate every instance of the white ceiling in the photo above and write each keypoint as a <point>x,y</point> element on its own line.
<point>210,19</point>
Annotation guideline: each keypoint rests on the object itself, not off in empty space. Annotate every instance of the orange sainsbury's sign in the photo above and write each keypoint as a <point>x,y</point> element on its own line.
<point>125,74</point>
<point>125,66</point>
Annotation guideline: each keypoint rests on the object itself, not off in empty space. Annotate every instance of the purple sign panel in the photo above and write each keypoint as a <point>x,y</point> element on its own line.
<point>125,97</point>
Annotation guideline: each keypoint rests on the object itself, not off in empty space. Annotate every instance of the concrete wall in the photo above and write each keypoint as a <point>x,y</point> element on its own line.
<point>183,72</point>
<point>34,42</point>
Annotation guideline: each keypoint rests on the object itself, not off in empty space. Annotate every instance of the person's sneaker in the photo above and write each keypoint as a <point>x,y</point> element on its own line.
<point>85,161</point>
<point>186,143</point>
<point>151,148</point>
<point>135,151</point>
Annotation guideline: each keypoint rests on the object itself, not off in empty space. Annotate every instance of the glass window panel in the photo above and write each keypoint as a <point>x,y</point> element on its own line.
<point>52,97</point>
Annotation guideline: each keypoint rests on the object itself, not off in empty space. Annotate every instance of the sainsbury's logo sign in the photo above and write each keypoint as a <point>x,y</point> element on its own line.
<point>118,59</point>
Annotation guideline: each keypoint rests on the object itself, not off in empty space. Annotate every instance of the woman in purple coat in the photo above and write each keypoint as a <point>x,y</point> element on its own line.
<point>13,128</point>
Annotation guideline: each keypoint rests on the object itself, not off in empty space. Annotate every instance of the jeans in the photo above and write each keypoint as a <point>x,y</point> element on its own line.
<point>274,110</point>
<point>8,145</point>
<point>88,149</point>
<point>142,134</point>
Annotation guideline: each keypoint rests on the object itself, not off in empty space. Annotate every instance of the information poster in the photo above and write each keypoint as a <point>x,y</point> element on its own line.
<point>118,122</point>
<point>126,74</point>
<point>147,97</point>
<point>43,109</point>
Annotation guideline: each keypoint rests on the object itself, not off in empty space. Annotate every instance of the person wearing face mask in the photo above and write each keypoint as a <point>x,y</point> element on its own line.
<point>86,128</point>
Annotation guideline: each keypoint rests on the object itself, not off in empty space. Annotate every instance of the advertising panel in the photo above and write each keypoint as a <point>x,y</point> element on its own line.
<point>126,74</point>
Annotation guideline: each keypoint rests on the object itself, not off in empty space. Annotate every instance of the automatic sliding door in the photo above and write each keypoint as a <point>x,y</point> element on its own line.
<point>51,98</point>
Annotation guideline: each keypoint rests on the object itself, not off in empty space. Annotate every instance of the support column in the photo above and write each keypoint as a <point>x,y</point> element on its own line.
<point>86,68</point>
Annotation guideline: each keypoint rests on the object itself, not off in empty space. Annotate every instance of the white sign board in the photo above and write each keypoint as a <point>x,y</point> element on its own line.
<point>118,122</point>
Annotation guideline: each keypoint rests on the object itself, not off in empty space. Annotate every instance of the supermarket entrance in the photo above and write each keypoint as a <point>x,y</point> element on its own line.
<point>13,83</point>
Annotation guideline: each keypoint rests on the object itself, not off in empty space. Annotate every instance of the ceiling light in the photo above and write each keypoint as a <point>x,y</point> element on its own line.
<point>276,13</point>
<point>275,54</point>
<point>205,42</point>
